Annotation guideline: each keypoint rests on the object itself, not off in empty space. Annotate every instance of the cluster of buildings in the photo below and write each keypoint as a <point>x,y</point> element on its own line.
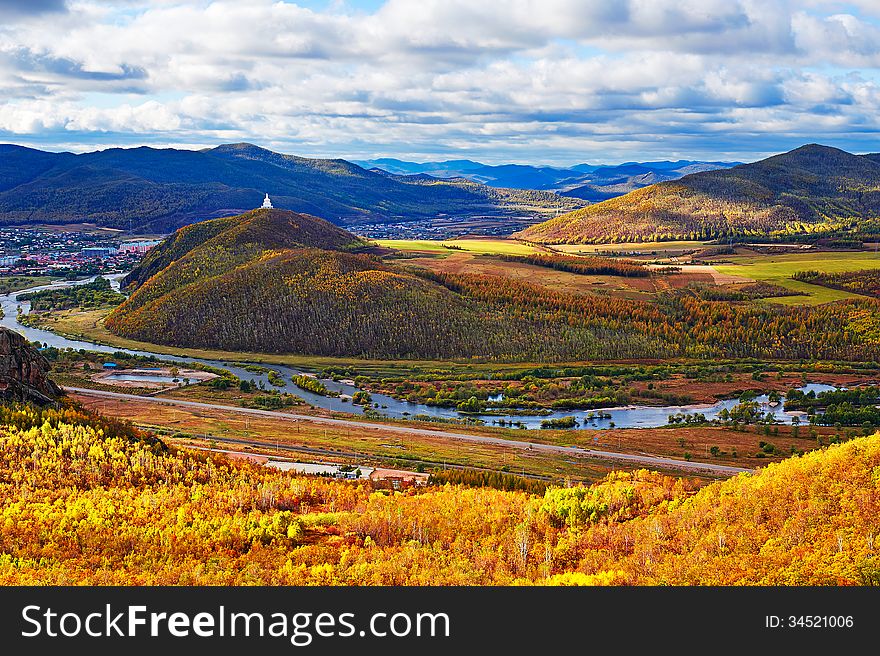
<point>125,248</point>
<point>27,251</point>
<point>401,230</point>
<point>443,227</point>
<point>395,479</point>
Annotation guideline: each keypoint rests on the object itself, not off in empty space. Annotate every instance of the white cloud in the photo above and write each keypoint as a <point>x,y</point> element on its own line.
<point>512,79</point>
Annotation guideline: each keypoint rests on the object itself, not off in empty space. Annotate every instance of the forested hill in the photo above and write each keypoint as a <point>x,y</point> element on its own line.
<point>273,281</point>
<point>158,190</point>
<point>813,189</point>
<point>276,281</point>
<point>234,240</point>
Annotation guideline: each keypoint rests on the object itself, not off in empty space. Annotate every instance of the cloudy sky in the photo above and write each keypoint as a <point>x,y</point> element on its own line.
<point>538,81</point>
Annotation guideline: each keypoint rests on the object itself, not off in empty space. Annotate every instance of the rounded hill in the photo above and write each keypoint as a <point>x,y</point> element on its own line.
<point>310,301</point>
<point>279,282</point>
<point>811,190</point>
<point>237,239</point>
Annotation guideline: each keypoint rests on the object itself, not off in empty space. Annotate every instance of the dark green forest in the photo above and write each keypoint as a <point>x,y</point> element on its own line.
<point>90,295</point>
<point>157,190</point>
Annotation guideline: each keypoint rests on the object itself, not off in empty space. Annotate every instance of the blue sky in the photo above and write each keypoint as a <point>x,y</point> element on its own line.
<point>531,81</point>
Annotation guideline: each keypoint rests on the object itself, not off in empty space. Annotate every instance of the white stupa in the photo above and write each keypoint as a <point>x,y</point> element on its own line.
<point>267,204</point>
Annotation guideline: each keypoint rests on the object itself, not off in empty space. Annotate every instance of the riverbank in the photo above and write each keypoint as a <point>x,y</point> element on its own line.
<point>396,441</point>
<point>280,377</point>
<point>635,433</point>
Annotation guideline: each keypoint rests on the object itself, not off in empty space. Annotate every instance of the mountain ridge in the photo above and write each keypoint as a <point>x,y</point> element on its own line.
<point>160,189</point>
<point>812,189</point>
<point>584,181</point>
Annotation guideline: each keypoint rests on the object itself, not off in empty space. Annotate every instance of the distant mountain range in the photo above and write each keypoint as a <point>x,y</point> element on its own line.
<point>812,190</point>
<point>586,181</point>
<point>157,190</point>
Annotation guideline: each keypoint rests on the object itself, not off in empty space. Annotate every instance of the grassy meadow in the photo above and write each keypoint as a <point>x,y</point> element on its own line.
<point>778,269</point>
<point>10,284</point>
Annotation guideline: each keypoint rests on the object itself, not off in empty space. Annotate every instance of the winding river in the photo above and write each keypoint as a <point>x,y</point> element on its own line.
<point>632,416</point>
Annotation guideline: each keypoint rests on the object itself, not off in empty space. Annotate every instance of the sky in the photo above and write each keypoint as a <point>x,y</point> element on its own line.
<point>554,82</point>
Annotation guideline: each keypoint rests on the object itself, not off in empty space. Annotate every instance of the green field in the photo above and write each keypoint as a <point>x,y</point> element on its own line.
<point>488,246</point>
<point>9,284</point>
<point>778,269</point>
<point>413,245</point>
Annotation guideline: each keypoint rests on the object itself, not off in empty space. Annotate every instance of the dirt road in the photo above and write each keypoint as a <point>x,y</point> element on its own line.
<point>642,460</point>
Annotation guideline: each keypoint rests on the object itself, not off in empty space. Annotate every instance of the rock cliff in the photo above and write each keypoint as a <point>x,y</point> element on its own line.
<point>24,371</point>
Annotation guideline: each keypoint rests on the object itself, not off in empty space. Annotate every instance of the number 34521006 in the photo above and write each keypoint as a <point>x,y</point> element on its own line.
<point>809,621</point>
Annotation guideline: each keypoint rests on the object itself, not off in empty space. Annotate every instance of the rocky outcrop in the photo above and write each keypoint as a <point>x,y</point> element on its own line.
<point>24,371</point>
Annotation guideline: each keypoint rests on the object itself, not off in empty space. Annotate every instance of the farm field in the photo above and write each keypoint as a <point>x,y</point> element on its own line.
<point>778,269</point>
<point>654,248</point>
<point>480,264</point>
<point>637,288</point>
<point>489,246</point>
<point>774,269</point>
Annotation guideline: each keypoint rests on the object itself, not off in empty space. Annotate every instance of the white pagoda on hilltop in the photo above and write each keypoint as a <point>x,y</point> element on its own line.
<point>267,204</point>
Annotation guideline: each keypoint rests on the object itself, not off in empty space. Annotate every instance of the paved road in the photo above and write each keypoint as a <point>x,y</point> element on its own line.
<point>629,458</point>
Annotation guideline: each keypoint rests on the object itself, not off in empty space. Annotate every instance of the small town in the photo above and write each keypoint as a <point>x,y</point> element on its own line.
<point>45,252</point>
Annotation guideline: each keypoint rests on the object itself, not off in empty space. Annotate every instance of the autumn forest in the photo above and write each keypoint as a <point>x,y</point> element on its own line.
<point>89,500</point>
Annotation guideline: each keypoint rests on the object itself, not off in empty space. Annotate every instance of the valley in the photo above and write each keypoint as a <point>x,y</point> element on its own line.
<point>304,304</point>
<point>601,395</point>
<point>526,371</point>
